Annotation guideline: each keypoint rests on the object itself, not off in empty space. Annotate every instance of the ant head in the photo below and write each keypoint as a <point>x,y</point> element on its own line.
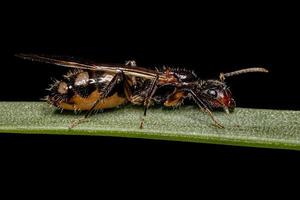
<point>217,95</point>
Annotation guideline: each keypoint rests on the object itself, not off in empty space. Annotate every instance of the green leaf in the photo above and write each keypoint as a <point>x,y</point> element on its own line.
<point>244,127</point>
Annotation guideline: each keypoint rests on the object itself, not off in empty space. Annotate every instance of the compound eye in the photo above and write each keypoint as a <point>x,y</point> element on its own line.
<point>212,93</point>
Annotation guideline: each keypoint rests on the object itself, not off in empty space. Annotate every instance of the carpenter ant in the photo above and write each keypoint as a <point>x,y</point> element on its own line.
<point>92,87</point>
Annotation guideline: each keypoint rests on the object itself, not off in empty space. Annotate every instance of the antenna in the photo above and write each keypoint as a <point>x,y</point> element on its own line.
<point>242,71</point>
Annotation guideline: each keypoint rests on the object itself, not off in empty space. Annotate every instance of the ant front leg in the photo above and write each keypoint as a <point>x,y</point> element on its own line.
<point>204,108</point>
<point>110,87</point>
<point>149,95</point>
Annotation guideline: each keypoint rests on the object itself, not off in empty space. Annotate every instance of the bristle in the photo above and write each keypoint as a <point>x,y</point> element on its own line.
<point>45,98</point>
<point>72,73</point>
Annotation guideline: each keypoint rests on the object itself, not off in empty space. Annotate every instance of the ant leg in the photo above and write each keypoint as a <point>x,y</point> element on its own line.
<point>150,93</point>
<point>204,108</point>
<point>114,81</point>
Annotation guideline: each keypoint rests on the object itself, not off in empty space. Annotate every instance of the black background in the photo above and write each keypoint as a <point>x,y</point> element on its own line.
<point>209,40</point>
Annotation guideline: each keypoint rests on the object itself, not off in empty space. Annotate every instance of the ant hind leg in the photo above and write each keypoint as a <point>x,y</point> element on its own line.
<point>112,84</point>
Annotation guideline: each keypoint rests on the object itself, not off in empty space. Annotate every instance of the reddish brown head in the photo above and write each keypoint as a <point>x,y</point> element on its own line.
<point>217,95</point>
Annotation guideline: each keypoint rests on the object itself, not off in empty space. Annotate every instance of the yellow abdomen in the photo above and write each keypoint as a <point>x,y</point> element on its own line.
<point>80,103</point>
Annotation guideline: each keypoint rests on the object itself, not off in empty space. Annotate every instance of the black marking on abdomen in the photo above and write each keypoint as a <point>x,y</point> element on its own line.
<point>82,83</point>
<point>85,91</point>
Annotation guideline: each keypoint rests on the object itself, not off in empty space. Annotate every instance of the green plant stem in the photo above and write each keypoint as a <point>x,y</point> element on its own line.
<point>244,127</point>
